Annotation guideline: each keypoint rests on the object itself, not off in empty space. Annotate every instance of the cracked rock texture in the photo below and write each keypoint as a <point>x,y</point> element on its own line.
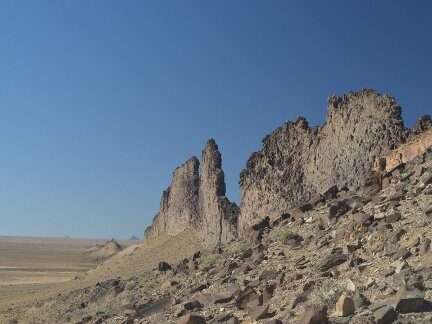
<point>197,201</point>
<point>298,161</point>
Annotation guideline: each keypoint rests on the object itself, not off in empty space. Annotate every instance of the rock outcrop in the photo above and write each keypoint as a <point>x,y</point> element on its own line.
<point>297,161</point>
<point>197,201</point>
<point>219,215</point>
<point>179,203</point>
<point>416,146</point>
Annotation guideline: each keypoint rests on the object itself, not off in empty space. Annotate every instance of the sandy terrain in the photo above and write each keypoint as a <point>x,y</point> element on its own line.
<point>61,258</point>
<point>29,265</point>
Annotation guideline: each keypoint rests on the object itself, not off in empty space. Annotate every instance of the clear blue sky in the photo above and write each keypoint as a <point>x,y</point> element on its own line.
<point>101,100</point>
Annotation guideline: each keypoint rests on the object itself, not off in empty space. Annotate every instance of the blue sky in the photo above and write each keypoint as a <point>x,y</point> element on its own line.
<point>101,100</point>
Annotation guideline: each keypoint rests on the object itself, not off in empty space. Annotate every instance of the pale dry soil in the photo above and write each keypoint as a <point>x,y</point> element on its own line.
<point>29,265</point>
<point>23,302</point>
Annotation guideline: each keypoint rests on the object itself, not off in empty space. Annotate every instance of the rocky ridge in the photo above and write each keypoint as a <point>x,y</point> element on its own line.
<point>197,201</point>
<point>295,163</point>
<point>298,161</point>
<point>362,255</point>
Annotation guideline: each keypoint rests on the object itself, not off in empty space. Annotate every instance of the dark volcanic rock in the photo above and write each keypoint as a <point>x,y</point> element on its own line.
<point>297,161</point>
<point>191,319</point>
<point>385,315</point>
<point>197,201</point>
<point>408,299</point>
<point>316,314</point>
<point>163,266</point>
<point>331,261</point>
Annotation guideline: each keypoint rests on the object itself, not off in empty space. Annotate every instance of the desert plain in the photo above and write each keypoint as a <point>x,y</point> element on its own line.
<point>30,265</point>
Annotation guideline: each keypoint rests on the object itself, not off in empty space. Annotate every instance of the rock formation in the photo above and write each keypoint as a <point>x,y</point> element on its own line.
<point>416,146</point>
<point>219,215</point>
<point>179,203</point>
<point>197,201</point>
<point>297,161</point>
<point>367,267</point>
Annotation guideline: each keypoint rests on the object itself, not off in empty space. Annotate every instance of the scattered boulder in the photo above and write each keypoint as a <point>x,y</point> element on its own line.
<point>400,265</point>
<point>226,319</point>
<point>394,217</point>
<point>360,301</point>
<point>248,299</point>
<point>259,312</point>
<point>408,299</point>
<point>191,319</point>
<point>315,314</point>
<point>268,275</point>
<point>331,261</point>
<point>345,306</point>
<point>193,305</point>
<point>164,266</point>
<point>385,315</point>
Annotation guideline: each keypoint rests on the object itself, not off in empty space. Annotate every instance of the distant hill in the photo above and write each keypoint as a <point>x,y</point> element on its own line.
<point>134,238</point>
<point>106,250</point>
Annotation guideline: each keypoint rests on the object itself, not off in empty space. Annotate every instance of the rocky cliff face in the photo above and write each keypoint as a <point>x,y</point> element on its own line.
<point>297,161</point>
<point>178,206</point>
<point>219,215</point>
<point>197,201</point>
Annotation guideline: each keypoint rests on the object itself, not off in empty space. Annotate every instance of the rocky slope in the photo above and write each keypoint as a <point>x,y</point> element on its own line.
<point>197,201</point>
<point>362,256</point>
<point>297,161</point>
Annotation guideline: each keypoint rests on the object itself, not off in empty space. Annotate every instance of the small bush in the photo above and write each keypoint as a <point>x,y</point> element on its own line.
<point>208,260</point>
<point>130,285</point>
<point>282,235</point>
<point>239,246</point>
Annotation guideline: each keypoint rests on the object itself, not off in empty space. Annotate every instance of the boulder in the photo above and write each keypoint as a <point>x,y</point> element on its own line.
<point>331,261</point>
<point>360,300</point>
<point>248,299</point>
<point>193,305</point>
<point>385,315</point>
<point>394,217</point>
<point>164,266</point>
<point>408,299</point>
<point>345,306</point>
<point>225,319</point>
<point>268,275</point>
<point>259,312</point>
<point>191,319</point>
<point>315,314</point>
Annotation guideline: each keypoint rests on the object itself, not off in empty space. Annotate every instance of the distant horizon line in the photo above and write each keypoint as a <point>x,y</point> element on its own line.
<point>69,237</point>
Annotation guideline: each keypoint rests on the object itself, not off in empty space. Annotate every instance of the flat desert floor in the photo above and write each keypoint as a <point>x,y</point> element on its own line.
<point>32,264</point>
<point>36,270</point>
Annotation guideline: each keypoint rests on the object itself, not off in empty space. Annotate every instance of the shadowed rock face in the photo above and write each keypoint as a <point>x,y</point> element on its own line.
<point>198,201</point>
<point>219,215</point>
<point>297,161</point>
<point>179,203</point>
